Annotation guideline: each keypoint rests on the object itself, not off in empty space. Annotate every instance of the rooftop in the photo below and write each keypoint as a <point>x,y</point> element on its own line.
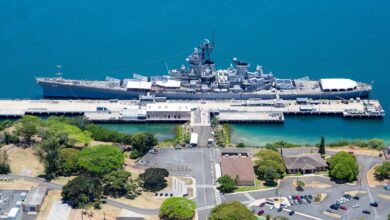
<point>35,196</point>
<point>238,166</point>
<point>304,161</point>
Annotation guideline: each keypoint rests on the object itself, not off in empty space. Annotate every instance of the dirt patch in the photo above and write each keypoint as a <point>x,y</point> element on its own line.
<point>186,180</point>
<point>312,184</point>
<point>332,215</point>
<point>19,184</point>
<point>319,197</point>
<point>106,212</point>
<point>383,196</point>
<point>356,192</point>
<point>131,167</point>
<point>147,199</point>
<point>24,162</point>
<point>62,180</point>
<point>373,181</point>
<point>152,217</point>
<point>52,195</point>
<point>356,150</point>
<point>318,185</point>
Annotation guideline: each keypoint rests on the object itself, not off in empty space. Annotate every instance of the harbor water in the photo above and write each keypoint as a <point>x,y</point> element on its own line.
<point>293,39</point>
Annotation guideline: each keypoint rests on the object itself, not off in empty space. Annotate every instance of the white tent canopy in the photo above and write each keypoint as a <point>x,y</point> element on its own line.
<point>137,84</point>
<point>336,84</point>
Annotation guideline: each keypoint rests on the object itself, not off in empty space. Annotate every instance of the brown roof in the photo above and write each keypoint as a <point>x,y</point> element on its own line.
<point>240,166</point>
<point>304,161</point>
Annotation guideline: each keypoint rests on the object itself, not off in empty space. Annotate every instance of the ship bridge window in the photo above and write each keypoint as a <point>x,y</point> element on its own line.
<point>349,89</point>
<point>342,90</point>
<point>334,90</point>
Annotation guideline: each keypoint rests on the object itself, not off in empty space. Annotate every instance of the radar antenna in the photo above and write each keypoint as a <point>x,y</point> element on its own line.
<point>59,73</point>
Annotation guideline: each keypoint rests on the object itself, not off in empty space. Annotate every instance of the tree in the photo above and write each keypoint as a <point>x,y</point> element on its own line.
<point>153,179</point>
<point>100,133</point>
<point>49,153</point>
<point>226,184</point>
<point>383,171</point>
<point>269,166</point>
<point>28,127</point>
<point>232,211</point>
<point>177,208</point>
<point>269,173</point>
<point>143,142</point>
<point>68,161</point>
<point>100,159</point>
<point>300,185</point>
<point>82,192</point>
<point>343,167</point>
<point>321,149</point>
<point>4,163</point>
<point>117,183</point>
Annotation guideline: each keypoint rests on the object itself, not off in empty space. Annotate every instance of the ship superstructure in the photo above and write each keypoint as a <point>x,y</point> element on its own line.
<point>200,79</point>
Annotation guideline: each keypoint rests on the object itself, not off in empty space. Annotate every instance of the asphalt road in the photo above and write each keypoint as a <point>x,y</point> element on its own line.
<point>204,133</point>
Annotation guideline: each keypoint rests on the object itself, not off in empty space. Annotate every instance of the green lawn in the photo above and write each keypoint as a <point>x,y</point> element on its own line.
<point>259,185</point>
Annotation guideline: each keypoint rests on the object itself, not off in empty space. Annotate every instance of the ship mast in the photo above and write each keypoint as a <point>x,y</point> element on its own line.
<point>59,73</point>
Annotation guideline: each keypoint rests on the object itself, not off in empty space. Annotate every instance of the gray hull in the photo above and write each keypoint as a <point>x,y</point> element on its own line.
<point>51,90</point>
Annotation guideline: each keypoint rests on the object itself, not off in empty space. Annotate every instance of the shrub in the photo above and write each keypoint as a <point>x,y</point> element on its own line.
<point>100,133</point>
<point>177,208</point>
<point>232,211</point>
<point>383,171</point>
<point>226,184</point>
<point>134,154</point>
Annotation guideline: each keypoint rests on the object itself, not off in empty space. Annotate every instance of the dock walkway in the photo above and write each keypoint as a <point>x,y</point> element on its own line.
<point>198,113</point>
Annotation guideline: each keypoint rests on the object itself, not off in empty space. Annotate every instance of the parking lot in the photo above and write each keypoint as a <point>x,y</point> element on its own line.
<point>191,162</point>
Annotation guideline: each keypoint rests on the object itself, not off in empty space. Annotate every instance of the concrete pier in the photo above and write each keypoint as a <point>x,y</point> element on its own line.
<point>198,113</point>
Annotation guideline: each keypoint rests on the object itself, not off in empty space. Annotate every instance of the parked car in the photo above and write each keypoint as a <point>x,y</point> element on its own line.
<point>366,212</point>
<point>280,209</point>
<point>356,206</point>
<point>153,151</point>
<point>387,187</point>
<point>335,206</point>
<point>347,196</point>
<point>292,212</point>
<point>374,204</point>
<point>144,162</point>
<point>261,212</point>
<point>343,207</point>
<point>356,198</point>
<point>262,204</point>
<point>310,196</point>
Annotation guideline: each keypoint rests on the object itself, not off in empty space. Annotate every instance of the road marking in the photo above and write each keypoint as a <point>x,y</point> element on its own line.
<point>247,195</point>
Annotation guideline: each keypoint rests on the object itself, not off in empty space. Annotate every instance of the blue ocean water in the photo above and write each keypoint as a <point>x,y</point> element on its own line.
<point>92,39</point>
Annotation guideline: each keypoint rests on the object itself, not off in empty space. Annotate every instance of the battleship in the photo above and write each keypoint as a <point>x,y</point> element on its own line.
<point>200,80</point>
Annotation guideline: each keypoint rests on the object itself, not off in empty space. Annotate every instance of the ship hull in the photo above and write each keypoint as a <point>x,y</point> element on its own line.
<point>51,90</point>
